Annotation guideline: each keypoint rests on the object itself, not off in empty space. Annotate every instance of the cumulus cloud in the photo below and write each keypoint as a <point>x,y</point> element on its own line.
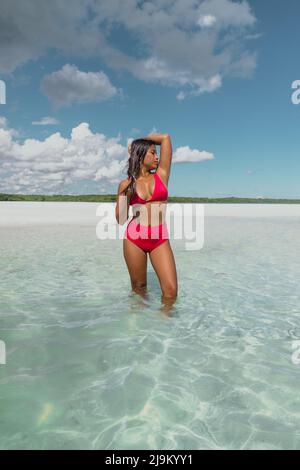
<point>180,43</point>
<point>46,121</point>
<point>188,155</point>
<point>49,165</point>
<point>70,85</point>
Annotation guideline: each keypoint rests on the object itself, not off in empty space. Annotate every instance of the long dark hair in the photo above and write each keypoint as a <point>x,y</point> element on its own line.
<point>138,150</point>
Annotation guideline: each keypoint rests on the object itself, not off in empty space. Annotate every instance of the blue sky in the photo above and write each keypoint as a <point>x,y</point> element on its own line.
<point>214,74</point>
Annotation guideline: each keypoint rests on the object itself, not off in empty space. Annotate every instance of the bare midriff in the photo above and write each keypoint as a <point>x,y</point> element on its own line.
<point>152,213</point>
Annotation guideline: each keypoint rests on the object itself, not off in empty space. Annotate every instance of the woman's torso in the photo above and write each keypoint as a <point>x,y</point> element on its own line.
<point>150,211</point>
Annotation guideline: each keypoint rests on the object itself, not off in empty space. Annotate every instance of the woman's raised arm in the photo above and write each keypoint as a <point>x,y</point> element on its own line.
<point>164,140</point>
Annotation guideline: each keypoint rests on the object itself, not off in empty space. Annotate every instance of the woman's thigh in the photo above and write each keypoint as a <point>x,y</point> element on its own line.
<point>163,262</point>
<point>136,260</point>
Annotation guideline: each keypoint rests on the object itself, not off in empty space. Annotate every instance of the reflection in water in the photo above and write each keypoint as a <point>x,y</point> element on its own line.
<point>91,365</point>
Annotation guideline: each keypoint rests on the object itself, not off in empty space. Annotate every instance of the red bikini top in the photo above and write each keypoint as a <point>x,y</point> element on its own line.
<point>160,193</point>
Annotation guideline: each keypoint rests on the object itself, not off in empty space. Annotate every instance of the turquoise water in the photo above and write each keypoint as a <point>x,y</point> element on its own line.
<point>92,366</point>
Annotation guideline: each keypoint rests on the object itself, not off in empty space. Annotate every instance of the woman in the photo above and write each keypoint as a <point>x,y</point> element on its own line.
<point>147,231</point>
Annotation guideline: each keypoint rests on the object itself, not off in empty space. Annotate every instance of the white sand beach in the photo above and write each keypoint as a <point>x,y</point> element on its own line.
<point>30,213</point>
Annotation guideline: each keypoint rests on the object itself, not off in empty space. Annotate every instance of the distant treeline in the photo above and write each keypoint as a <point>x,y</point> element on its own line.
<point>112,198</point>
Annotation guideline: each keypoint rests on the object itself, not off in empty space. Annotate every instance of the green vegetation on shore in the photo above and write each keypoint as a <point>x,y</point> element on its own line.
<point>112,198</point>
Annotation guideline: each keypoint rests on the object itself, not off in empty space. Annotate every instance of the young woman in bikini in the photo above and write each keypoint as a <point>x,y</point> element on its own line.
<point>146,191</point>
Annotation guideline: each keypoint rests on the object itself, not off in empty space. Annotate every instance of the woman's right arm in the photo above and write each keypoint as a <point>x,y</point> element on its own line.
<point>123,199</point>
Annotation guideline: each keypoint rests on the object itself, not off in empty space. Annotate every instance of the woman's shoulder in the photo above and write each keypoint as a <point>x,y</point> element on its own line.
<point>124,183</point>
<point>124,187</point>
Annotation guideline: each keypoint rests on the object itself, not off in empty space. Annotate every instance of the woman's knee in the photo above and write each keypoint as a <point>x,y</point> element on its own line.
<point>170,290</point>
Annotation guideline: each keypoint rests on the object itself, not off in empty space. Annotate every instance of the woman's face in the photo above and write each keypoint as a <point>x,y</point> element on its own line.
<point>151,158</point>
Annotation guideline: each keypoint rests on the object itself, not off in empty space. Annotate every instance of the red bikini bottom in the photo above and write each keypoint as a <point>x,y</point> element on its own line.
<point>146,237</point>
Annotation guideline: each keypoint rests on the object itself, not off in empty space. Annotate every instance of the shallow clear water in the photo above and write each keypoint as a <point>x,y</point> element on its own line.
<point>92,366</point>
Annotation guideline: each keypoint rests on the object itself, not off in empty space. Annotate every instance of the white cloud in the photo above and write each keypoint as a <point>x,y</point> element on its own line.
<point>3,121</point>
<point>203,86</point>
<point>47,166</point>
<point>154,130</point>
<point>46,121</point>
<point>253,36</point>
<point>175,51</point>
<point>70,85</point>
<point>181,96</point>
<point>228,12</point>
<point>186,154</point>
<point>206,20</point>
